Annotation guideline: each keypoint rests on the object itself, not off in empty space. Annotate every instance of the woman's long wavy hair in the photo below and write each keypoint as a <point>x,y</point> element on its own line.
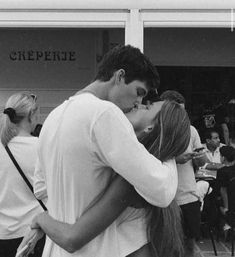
<point>169,138</point>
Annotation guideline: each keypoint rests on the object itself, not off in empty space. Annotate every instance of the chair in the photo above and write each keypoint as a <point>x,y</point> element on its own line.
<point>231,212</point>
<point>209,215</point>
<point>231,219</point>
<point>210,230</point>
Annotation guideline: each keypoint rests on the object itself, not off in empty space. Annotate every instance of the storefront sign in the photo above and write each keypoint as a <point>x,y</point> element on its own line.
<point>44,56</point>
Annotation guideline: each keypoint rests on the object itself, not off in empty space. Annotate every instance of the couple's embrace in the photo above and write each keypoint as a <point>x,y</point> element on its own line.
<point>102,184</point>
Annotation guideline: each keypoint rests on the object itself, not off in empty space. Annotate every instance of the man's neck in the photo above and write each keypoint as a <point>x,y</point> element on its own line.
<point>98,88</point>
<point>211,148</point>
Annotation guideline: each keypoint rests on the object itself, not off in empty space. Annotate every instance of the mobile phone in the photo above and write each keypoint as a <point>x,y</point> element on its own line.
<point>198,149</point>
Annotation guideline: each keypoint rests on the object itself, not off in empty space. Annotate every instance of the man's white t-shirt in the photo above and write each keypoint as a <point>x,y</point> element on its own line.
<point>187,187</point>
<point>79,142</point>
<point>215,156</point>
<point>18,206</point>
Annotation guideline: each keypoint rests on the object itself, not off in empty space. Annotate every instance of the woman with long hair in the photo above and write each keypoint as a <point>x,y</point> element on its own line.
<point>164,129</point>
<point>18,205</point>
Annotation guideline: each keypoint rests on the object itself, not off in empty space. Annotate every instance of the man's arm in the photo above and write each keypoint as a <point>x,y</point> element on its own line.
<point>213,166</point>
<point>115,142</point>
<point>222,181</point>
<point>72,237</point>
<point>224,196</point>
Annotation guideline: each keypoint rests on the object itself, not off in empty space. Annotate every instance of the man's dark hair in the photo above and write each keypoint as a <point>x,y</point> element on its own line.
<point>151,97</point>
<point>172,95</point>
<point>228,152</point>
<point>135,64</point>
<point>208,133</point>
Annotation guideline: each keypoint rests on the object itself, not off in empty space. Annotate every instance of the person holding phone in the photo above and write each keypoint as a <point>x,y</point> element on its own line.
<point>187,195</point>
<point>212,150</point>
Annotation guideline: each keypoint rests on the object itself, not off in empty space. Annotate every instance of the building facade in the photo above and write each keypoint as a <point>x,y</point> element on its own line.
<point>53,48</point>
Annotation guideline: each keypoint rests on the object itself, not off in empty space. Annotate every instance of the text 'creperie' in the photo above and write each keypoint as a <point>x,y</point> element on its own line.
<point>47,56</point>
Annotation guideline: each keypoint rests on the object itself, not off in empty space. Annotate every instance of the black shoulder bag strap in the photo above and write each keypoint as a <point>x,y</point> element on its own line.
<point>23,175</point>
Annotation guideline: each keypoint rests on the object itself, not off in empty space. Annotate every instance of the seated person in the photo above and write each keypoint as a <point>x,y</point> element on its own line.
<point>226,180</point>
<point>212,146</point>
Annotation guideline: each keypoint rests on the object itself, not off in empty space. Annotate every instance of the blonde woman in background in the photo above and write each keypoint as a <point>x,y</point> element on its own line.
<point>17,203</point>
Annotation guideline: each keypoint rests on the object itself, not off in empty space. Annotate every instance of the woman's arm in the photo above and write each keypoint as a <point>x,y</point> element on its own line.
<point>72,237</point>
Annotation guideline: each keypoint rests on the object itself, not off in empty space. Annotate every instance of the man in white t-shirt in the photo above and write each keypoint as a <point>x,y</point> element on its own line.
<point>212,146</point>
<point>87,137</point>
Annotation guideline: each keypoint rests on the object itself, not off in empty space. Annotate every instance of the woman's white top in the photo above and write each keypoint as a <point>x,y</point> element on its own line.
<point>17,203</point>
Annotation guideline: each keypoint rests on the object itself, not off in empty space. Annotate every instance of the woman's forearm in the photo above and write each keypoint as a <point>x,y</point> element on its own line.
<point>57,231</point>
<point>72,237</point>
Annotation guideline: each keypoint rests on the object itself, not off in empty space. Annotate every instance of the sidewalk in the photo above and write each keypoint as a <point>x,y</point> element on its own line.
<point>205,248</point>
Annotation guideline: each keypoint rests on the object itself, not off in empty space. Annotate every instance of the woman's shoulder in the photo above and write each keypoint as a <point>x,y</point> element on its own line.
<point>31,140</point>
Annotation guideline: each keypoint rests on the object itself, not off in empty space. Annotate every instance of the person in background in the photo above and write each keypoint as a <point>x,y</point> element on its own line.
<point>226,181</point>
<point>232,139</point>
<point>213,117</point>
<point>187,196</point>
<point>230,121</point>
<point>210,168</point>
<point>221,125</point>
<point>18,205</point>
<point>212,146</point>
<point>88,137</point>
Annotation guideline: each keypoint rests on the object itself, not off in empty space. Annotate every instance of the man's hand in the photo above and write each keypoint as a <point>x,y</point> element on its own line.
<point>30,240</point>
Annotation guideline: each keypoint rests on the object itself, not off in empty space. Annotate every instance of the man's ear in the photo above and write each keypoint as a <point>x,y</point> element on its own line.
<point>119,76</point>
<point>148,129</point>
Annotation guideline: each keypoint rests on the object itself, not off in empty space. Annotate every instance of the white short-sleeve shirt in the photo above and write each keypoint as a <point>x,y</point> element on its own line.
<point>18,206</point>
<point>187,188</point>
